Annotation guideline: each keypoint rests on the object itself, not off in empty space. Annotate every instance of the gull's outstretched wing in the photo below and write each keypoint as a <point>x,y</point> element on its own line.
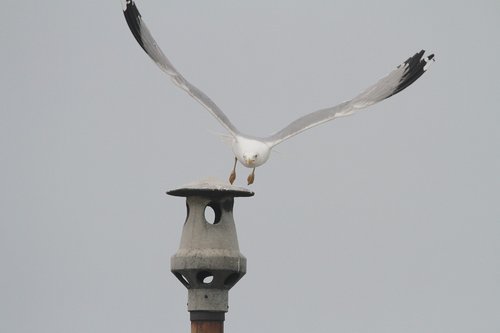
<point>397,80</point>
<point>147,42</point>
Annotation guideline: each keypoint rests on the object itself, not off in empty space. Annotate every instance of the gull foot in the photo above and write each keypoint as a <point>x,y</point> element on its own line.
<point>251,177</point>
<point>232,177</point>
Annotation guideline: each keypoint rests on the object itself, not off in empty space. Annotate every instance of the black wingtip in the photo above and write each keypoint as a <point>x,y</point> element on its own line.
<point>415,68</point>
<point>127,4</point>
<point>133,18</point>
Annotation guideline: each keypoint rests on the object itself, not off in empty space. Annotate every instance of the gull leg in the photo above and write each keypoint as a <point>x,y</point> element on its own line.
<point>251,177</point>
<point>232,176</point>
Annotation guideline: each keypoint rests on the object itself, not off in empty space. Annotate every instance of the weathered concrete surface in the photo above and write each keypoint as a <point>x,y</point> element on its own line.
<point>208,261</point>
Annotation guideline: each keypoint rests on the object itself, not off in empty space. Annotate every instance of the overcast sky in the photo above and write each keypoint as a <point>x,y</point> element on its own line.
<point>386,221</point>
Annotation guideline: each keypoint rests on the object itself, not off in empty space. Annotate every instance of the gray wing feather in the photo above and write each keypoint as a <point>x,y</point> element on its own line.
<point>149,45</point>
<point>397,80</point>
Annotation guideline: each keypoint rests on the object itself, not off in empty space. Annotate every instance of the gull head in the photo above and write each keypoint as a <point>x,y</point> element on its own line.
<point>250,159</point>
<point>251,152</point>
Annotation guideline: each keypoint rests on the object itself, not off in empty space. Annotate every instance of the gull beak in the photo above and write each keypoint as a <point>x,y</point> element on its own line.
<point>249,161</point>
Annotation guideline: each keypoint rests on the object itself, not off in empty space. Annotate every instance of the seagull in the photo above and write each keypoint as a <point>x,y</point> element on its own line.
<point>252,151</point>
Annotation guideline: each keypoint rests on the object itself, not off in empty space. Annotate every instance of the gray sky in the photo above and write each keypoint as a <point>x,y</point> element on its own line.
<point>386,221</point>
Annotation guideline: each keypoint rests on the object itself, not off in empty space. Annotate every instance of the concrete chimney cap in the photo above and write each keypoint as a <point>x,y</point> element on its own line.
<point>210,187</point>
